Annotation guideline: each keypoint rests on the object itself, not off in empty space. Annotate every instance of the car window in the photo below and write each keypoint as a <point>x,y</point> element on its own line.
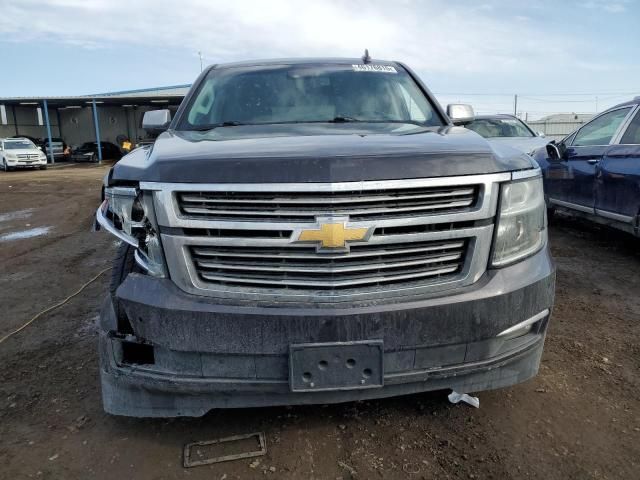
<point>632,134</point>
<point>500,127</point>
<point>19,144</point>
<point>601,130</point>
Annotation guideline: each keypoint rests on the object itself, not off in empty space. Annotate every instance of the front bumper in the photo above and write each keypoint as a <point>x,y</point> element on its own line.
<point>83,157</point>
<point>200,354</point>
<point>26,163</point>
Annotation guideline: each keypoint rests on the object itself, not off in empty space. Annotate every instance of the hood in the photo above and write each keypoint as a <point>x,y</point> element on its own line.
<point>314,153</point>
<point>523,144</point>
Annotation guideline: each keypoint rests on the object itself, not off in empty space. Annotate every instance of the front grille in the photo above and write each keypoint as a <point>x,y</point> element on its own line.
<point>243,241</point>
<point>305,206</point>
<point>27,156</point>
<point>304,268</point>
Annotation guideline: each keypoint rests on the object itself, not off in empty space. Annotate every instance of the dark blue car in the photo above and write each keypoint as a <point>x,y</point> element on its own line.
<point>595,171</point>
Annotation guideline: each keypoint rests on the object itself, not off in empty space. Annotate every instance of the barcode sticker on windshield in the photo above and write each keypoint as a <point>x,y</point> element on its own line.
<point>374,68</point>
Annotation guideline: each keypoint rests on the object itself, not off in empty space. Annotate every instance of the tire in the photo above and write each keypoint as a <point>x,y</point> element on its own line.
<point>123,265</point>
<point>43,167</point>
<point>4,165</point>
<point>94,158</point>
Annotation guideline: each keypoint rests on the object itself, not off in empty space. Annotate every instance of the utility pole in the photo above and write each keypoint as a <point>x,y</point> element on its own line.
<point>515,104</point>
<point>200,55</point>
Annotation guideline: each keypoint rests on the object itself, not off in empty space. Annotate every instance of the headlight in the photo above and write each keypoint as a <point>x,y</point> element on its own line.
<point>42,156</point>
<point>128,214</point>
<point>522,223</point>
<point>12,156</point>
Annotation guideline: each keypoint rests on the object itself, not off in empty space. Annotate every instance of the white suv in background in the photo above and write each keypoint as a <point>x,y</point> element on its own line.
<point>21,152</point>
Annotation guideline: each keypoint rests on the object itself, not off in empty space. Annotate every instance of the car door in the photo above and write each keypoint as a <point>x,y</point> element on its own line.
<point>572,183</point>
<point>618,179</point>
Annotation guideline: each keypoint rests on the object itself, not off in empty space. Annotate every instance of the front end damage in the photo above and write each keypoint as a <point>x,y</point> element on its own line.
<point>223,312</point>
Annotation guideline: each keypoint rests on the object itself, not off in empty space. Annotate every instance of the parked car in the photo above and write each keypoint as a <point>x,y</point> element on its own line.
<point>318,231</point>
<point>88,152</point>
<point>595,171</point>
<point>58,145</point>
<point>21,153</point>
<point>508,130</point>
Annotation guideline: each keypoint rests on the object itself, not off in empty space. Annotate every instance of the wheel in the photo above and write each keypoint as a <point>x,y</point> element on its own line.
<point>43,167</point>
<point>123,265</point>
<point>4,165</point>
<point>94,158</point>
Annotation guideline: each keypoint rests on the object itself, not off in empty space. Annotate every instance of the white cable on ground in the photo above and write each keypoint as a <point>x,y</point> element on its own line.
<point>53,307</point>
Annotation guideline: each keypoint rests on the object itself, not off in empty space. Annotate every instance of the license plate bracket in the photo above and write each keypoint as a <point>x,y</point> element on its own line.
<point>315,367</point>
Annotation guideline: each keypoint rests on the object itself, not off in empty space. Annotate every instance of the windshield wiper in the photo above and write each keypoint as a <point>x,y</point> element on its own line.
<point>347,119</point>
<point>343,119</point>
<point>211,126</point>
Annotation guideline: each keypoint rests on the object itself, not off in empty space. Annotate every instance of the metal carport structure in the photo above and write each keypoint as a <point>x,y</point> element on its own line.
<point>125,102</point>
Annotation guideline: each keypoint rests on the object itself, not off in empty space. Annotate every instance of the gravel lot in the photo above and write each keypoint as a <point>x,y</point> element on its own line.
<point>579,419</point>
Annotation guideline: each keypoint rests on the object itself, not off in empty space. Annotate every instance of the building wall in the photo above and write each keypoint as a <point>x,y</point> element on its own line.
<point>557,127</point>
<point>25,122</point>
<point>77,123</point>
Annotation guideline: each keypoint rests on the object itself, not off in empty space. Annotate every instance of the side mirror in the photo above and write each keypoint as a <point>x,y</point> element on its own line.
<point>156,121</point>
<point>555,151</point>
<point>460,113</point>
<point>541,134</point>
<point>39,148</point>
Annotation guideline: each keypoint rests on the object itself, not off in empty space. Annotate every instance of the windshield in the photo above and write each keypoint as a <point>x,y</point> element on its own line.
<point>309,93</point>
<point>19,145</point>
<point>500,127</point>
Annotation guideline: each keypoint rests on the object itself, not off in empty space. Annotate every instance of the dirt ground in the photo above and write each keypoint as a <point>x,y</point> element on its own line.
<point>578,419</point>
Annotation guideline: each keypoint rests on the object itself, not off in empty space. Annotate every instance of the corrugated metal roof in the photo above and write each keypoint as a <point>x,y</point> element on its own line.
<point>173,90</point>
<point>142,94</point>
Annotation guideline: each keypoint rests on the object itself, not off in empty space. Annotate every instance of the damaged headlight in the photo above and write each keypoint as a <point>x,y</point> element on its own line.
<point>128,214</point>
<point>522,224</point>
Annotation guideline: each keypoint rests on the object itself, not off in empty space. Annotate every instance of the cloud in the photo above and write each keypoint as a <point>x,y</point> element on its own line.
<point>607,5</point>
<point>431,35</point>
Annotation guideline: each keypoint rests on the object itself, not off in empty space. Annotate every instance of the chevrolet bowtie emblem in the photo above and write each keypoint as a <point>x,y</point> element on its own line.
<point>332,233</point>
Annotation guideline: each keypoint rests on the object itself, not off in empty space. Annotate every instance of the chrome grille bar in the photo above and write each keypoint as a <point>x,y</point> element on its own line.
<point>208,197</point>
<point>312,255</point>
<point>310,213</point>
<point>368,280</point>
<point>263,206</point>
<point>329,270</point>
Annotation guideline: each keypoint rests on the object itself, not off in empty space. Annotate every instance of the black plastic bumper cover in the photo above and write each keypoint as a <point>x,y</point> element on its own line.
<point>211,355</point>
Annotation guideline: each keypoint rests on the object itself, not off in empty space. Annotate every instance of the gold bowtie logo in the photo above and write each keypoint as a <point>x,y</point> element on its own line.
<point>333,235</point>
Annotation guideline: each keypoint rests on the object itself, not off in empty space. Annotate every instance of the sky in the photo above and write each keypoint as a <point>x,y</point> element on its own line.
<point>557,56</point>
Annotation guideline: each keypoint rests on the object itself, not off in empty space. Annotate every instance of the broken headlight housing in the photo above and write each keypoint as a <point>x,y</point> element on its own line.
<point>128,214</point>
<point>522,224</point>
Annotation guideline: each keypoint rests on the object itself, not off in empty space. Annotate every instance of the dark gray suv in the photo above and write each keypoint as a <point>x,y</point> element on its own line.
<point>318,231</point>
